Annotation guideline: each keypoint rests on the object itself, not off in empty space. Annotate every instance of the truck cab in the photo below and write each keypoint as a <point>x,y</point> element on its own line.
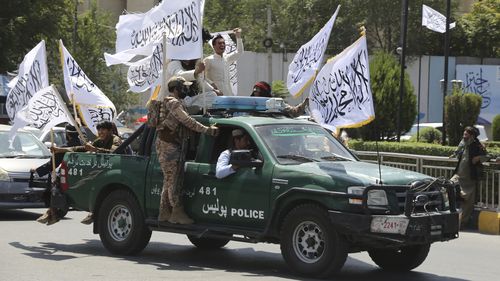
<point>303,190</point>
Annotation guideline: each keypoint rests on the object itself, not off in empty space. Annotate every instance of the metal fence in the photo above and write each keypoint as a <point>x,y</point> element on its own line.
<point>436,166</point>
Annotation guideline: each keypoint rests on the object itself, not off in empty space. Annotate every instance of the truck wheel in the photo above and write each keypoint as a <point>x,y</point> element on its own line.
<point>208,243</point>
<point>122,226</point>
<point>310,244</point>
<point>401,259</point>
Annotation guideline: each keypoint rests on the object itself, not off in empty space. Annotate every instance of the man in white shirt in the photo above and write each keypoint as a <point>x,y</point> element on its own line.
<point>217,65</point>
<point>241,140</point>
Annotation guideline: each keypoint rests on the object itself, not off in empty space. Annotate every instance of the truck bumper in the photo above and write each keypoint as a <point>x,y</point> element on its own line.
<point>422,228</point>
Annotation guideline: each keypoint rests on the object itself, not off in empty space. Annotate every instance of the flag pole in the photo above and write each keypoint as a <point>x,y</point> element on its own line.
<point>404,24</point>
<point>71,118</point>
<point>53,174</point>
<point>163,89</point>
<point>446,52</point>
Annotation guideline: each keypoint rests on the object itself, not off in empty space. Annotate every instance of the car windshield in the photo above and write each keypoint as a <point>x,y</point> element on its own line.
<point>25,145</point>
<point>293,143</point>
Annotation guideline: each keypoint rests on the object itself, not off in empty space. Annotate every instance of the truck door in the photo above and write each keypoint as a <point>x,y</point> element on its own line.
<point>240,199</point>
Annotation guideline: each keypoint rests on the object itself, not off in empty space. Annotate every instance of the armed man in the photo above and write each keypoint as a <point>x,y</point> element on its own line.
<point>174,127</point>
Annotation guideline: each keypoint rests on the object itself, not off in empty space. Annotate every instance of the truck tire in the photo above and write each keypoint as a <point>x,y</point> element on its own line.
<point>401,259</point>
<point>310,244</point>
<point>208,243</point>
<point>122,226</point>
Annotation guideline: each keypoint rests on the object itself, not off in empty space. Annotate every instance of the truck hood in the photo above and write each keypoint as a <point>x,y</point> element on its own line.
<point>16,165</point>
<point>348,173</point>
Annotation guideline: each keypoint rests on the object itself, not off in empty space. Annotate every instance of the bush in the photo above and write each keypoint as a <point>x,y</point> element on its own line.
<point>428,135</point>
<point>495,128</point>
<point>417,148</point>
<point>461,111</point>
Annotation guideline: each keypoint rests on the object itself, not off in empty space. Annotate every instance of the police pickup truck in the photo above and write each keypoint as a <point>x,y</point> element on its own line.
<point>303,190</point>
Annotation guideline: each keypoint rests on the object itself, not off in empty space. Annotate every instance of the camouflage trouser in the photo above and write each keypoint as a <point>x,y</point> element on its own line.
<point>169,156</point>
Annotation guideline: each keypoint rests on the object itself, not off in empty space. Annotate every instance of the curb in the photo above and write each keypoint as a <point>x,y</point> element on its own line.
<point>489,222</point>
<point>485,222</point>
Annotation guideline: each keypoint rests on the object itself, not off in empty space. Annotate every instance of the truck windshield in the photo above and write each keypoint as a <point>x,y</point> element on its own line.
<point>294,143</point>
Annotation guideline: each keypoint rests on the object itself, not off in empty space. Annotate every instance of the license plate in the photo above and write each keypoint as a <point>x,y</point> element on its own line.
<point>384,224</point>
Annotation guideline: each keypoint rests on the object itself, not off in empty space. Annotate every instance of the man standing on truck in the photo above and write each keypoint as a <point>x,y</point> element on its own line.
<point>217,65</point>
<point>173,129</point>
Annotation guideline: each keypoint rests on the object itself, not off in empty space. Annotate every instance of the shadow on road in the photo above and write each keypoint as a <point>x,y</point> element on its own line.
<point>19,215</point>
<point>254,263</point>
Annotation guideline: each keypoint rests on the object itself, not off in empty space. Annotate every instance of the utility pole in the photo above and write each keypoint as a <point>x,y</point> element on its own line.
<point>75,26</point>
<point>269,49</point>
<point>446,52</point>
<point>404,23</point>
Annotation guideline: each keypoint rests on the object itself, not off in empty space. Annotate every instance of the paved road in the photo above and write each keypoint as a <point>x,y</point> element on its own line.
<point>69,250</point>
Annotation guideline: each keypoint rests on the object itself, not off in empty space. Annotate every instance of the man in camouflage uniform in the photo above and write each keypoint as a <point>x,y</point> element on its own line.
<point>174,126</point>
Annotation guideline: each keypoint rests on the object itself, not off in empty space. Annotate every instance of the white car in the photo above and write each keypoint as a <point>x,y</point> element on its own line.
<point>413,131</point>
<point>26,152</point>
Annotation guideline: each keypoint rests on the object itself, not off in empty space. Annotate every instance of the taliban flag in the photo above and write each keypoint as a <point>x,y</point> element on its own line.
<point>32,77</point>
<point>340,96</point>
<point>307,60</point>
<point>434,20</point>
<point>44,111</point>
<point>92,105</point>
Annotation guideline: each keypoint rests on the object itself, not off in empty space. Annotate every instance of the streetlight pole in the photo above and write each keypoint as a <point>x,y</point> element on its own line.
<point>446,52</point>
<point>270,49</point>
<point>404,23</point>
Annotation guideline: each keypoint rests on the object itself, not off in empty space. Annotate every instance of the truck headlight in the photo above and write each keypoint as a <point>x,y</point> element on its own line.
<point>4,176</point>
<point>377,197</point>
<point>357,190</point>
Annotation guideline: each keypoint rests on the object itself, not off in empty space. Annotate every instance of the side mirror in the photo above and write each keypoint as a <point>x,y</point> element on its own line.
<point>48,144</point>
<point>243,158</point>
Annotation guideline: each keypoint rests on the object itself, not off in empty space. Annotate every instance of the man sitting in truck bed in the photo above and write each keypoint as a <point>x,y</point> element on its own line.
<point>106,142</point>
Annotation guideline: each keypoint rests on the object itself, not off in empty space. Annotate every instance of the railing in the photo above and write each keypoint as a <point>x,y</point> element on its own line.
<point>436,166</point>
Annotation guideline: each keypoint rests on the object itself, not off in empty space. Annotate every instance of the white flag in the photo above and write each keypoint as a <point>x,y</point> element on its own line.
<point>33,76</point>
<point>95,114</point>
<point>434,20</point>
<point>306,62</point>
<point>44,111</point>
<point>179,20</point>
<point>231,47</point>
<point>82,91</point>
<point>341,96</point>
<point>143,74</point>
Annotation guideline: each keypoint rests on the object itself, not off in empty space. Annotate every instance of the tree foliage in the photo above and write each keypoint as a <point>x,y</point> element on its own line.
<point>25,23</point>
<point>384,78</point>
<point>461,110</point>
<point>479,34</point>
<point>495,127</point>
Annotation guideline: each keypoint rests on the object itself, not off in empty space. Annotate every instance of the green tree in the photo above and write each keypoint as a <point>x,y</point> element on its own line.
<point>279,89</point>
<point>25,23</point>
<point>461,110</point>
<point>495,128</point>
<point>384,78</point>
<point>480,31</point>
<point>28,22</point>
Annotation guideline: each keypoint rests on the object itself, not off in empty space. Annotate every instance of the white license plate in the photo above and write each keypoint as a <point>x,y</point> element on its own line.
<point>384,224</point>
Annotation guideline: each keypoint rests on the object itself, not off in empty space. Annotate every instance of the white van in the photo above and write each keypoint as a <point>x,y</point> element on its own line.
<point>413,131</point>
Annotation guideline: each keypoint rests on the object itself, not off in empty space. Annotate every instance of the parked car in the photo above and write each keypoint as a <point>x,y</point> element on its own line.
<point>16,161</point>
<point>413,131</point>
